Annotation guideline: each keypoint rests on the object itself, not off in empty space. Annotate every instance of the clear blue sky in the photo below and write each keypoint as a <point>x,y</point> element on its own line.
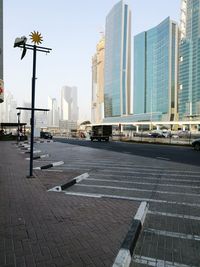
<point>72,29</point>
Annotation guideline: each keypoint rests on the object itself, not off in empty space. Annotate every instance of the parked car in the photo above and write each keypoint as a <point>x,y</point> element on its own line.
<point>196,144</point>
<point>46,135</point>
<point>156,134</point>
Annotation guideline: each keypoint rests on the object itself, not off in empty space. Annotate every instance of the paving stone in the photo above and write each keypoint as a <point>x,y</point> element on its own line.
<point>41,228</point>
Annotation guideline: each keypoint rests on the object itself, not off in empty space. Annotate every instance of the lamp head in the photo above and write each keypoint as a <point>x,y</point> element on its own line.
<point>20,41</point>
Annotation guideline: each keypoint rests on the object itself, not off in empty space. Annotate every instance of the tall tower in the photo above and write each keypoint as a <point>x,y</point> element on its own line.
<point>155,71</point>
<point>98,83</point>
<point>1,53</point>
<point>53,113</point>
<point>117,61</point>
<point>69,107</point>
<point>189,60</point>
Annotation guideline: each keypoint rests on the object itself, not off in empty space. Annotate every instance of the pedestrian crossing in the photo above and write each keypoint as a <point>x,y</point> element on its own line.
<point>171,232</point>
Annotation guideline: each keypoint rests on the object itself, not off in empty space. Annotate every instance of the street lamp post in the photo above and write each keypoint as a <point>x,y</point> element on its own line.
<point>21,42</point>
<point>32,111</point>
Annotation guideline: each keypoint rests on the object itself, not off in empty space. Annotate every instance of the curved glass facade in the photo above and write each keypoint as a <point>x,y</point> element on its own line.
<point>117,56</point>
<point>155,70</point>
<point>189,62</point>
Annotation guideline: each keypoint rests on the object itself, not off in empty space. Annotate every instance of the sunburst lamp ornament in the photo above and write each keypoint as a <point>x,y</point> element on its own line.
<point>36,37</point>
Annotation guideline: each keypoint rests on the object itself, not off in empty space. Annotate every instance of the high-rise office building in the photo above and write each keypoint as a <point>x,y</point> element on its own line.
<point>53,113</point>
<point>117,68</point>
<point>98,83</point>
<point>26,114</point>
<point>1,53</point>
<point>8,112</point>
<point>69,106</point>
<point>189,60</point>
<point>155,71</point>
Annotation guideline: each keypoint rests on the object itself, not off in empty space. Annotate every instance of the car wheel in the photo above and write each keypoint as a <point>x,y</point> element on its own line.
<point>197,146</point>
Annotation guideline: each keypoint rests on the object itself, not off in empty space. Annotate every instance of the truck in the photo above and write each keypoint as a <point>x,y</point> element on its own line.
<point>46,135</point>
<point>101,132</point>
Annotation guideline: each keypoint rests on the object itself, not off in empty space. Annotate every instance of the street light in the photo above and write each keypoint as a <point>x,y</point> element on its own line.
<point>20,42</point>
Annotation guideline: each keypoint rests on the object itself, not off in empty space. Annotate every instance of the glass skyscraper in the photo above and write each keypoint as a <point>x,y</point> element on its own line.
<point>117,61</point>
<point>155,70</point>
<point>189,60</point>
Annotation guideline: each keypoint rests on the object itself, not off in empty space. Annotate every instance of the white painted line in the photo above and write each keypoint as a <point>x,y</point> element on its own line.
<point>81,177</point>
<point>44,156</point>
<point>58,163</point>
<point>173,234</point>
<point>83,194</point>
<point>139,190</point>
<point>142,183</point>
<point>140,167</point>
<point>36,151</point>
<point>156,262</point>
<point>37,168</point>
<point>162,158</point>
<point>151,173</point>
<point>134,198</point>
<point>150,178</point>
<point>175,215</point>
<point>26,146</point>
<point>141,212</point>
<point>52,170</point>
<point>123,258</point>
<point>40,156</point>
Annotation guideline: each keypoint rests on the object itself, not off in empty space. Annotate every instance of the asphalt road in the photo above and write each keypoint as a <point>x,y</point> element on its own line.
<point>178,154</point>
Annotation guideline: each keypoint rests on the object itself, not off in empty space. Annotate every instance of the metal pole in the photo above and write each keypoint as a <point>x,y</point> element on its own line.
<point>18,128</point>
<point>32,111</point>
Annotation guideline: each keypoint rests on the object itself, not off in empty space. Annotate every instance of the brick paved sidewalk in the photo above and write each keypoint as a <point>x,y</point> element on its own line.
<point>40,228</point>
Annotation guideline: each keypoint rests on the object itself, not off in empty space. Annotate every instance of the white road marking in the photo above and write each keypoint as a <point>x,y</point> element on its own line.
<point>157,263</point>
<point>83,194</point>
<point>106,163</point>
<point>131,198</point>
<point>148,171</point>
<point>162,158</point>
<point>51,170</point>
<point>57,163</point>
<point>149,178</point>
<point>175,215</point>
<point>142,183</point>
<point>140,190</point>
<point>81,177</point>
<point>161,172</point>
<point>173,234</point>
